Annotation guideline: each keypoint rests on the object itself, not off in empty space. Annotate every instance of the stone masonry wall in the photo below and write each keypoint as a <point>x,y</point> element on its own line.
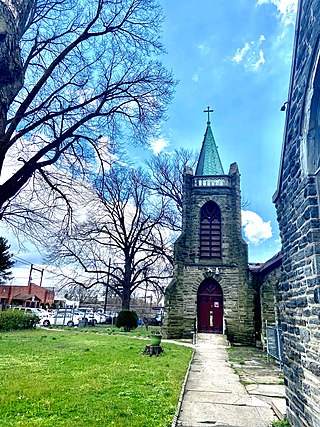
<point>181,311</point>
<point>234,249</point>
<point>266,285</point>
<point>298,215</point>
<point>268,302</point>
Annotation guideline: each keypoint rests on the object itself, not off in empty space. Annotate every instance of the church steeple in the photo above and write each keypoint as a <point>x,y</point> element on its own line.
<point>209,162</point>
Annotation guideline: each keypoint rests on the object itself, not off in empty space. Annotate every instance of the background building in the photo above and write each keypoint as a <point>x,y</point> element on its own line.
<point>31,295</point>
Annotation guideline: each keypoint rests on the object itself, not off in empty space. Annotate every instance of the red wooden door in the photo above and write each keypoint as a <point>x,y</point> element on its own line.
<point>210,307</point>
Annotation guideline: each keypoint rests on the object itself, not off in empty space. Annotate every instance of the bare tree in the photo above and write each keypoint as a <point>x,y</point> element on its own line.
<point>83,295</point>
<point>123,223</point>
<point>167,180</point>
<point>74,77</point>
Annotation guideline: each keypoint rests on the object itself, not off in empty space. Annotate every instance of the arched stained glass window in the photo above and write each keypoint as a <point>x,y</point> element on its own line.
<point>210,231</point>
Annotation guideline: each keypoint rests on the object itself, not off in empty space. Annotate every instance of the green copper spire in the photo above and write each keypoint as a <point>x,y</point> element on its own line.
<point>209,162</point>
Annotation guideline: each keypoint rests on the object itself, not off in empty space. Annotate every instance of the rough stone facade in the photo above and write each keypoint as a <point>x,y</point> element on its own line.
<point>265,282</point>
<point>297,204</point>
<point>230,271</point>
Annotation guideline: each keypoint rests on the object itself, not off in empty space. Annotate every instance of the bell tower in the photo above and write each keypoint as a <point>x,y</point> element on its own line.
<point>210,286</point>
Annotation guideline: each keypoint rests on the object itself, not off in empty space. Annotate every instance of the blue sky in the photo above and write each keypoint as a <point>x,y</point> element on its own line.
<point>235,56</point>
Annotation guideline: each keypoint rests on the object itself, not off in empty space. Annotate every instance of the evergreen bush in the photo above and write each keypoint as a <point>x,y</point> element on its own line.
<point>6,261</point>
<point>127,319</point>
<point>15,319</point>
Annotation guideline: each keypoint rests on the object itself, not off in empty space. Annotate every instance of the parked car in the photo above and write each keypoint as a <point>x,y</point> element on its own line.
<point>89,315</point>
<point>62,318</point>
<point>69,311</point>
<point>100,317</point>
<point>111,317</point>
<point>153,321</point>
<point>103,317</point>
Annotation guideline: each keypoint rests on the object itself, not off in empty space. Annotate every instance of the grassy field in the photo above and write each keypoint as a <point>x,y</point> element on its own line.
<point>53,378</point>
<point>140,331</point>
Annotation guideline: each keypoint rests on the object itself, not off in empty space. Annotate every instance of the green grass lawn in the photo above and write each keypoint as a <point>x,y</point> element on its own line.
<point>140,331</point>
<point>53,378</point>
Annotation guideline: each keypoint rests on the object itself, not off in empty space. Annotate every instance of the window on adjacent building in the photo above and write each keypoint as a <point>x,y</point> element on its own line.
<point>210,231</point>
<point>313,138</point>
<point>314,126</point>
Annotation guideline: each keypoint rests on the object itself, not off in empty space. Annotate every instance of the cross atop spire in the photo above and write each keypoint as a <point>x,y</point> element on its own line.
<point>209,163</point>
<point>208,111</point>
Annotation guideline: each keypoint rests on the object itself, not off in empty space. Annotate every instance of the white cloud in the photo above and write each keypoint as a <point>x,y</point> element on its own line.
<point>195,77</point>
<point>255,229</point>
<point>255,65</point>
<point>204,49</point>
<point>157,145</point>
<point>251,55</point>
<point>238,57</point>
<point>287,9</point>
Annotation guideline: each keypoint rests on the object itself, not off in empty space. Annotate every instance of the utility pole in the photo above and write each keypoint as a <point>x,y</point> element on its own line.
<point>29,280</point>
<point>30,276</point>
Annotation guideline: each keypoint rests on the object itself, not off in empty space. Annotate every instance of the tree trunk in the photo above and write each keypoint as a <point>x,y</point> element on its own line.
<point>126,293</point>
<point>13,18</point>
<point>126,298</point>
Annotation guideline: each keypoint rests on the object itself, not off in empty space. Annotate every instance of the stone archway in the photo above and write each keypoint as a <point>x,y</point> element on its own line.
<point>210,307</point>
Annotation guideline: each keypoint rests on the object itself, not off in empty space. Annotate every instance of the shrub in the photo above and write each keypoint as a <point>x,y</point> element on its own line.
<point>15,319</point>
<point>282,423</point>
<point>127,319</point>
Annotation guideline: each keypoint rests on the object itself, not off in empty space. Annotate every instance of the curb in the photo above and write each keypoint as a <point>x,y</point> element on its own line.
<point>175,419</point>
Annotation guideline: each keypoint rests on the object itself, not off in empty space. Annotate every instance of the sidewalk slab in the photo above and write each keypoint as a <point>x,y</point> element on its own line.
<point>279,407</point>
<point>224,415</point>
<point>214,395</point>
<point>271,390</point>
<point>224,398</point>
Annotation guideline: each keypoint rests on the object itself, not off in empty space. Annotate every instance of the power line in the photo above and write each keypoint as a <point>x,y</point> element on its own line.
<point>23,261</point>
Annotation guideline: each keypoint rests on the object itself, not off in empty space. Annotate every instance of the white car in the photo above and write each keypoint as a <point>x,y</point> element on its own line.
<point>93,318</point>
<point>61,319</point>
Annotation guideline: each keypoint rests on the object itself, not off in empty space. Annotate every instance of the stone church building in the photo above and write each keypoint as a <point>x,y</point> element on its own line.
<point>211,289</point>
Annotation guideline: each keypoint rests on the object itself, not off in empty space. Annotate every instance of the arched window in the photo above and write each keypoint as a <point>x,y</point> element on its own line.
<point>313,135</point>
<point>210,231</point>
<point>314,127</point>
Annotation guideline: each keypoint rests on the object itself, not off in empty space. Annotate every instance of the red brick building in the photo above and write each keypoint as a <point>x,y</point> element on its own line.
<point>26,296</point>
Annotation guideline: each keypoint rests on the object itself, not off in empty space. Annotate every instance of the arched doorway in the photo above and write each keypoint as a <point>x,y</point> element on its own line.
<point>210,307</point>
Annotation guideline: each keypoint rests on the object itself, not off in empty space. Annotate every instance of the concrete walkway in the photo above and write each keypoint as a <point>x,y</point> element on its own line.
<point>214,395</point>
